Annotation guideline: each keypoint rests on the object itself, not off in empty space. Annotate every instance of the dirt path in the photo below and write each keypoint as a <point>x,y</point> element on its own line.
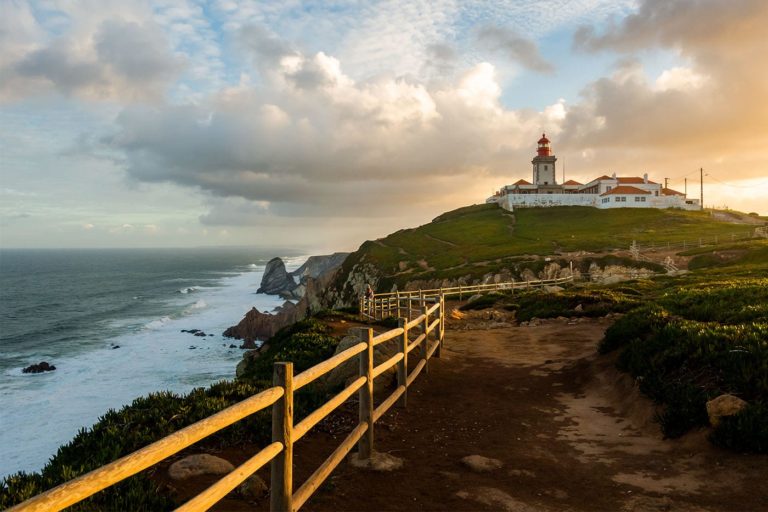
<point>573,434</point>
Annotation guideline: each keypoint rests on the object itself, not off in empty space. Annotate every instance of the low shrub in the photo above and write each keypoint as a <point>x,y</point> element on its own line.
<point>746,431</point>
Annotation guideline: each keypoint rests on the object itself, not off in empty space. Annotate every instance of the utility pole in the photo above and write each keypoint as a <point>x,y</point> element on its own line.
<point>686,187</point>
<point>701,179</point>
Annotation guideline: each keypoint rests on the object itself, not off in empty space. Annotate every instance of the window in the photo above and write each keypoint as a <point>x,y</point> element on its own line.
<point>608,188</point>
<point>545,167</point>
<point>642,199</point>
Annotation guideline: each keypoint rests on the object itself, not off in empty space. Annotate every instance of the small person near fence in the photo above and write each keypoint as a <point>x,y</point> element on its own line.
<point>368,292</point>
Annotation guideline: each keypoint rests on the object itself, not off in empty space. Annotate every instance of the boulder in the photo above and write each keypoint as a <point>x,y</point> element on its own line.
<point>254,488</point>
<point>257,325</point>
<point>40,367</point>
<point>480,464</point>
<point>475,297</point>
<point>378,462</point>
<point>350,369</point>
<point>724,405</point>
<point>200,464</point>
<point>276,279</point>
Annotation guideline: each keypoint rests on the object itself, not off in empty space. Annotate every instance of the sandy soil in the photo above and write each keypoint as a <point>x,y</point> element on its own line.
<point>573,434</point>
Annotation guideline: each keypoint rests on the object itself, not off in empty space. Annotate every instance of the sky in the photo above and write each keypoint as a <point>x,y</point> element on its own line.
<point>318,125</point>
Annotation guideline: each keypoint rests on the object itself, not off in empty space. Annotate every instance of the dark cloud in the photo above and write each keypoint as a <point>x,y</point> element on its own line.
<point>57,66</point>
<point>137,53</point>
<point>265,47</point>
<point>515,47</point>
<point>119,60</point>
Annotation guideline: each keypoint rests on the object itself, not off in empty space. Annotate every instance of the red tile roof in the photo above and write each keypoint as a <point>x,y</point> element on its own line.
<point>625,189</point>
<point>670,192</point>
<point>603,177</point>
<point>571,182</point>
<point>634,179</point>
<point>522,182</point>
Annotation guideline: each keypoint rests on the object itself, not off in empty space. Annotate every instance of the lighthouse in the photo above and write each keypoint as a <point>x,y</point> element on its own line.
<point>544,164</point>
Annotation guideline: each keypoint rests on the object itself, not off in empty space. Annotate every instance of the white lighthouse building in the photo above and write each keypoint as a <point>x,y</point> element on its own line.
<point>603,192</point>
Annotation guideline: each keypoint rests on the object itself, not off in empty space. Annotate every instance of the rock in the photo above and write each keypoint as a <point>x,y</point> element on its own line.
<point>257,325</point>
<point>475,297</point>
<point>276,279</point>
<point>200,334</point>
<point>579,308</point>
<point>232,345</point>
<point>200,464</point>
<point>724,405</point>
<point>553,289</point>
<point>247,358</point>
<point>350,368</point>
<point>115,346</point>
<point>315,266</point>
<point>40,367</point>
<point>480,464</point>
<point>377,462</point>
<point>254,488</point>
<point>249,344</point>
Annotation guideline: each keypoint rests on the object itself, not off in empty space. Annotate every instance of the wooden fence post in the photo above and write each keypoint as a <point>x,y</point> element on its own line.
<point>398,303</point>
<point>365,445</point>
<point>281,492</point>
<point>402,365</point>
<point>425,342</point>
<point>439,334</point>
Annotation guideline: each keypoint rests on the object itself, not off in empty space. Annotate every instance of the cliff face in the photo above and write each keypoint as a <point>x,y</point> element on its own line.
<point>257,325</point>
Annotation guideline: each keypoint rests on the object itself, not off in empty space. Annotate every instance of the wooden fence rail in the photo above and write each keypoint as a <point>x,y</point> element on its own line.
<point>397,304</point>
<point>285,433</point>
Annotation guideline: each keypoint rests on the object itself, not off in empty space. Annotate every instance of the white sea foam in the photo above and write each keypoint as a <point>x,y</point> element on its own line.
<point>43,411</point>
<point>189,289</point>
<point>157,324</point>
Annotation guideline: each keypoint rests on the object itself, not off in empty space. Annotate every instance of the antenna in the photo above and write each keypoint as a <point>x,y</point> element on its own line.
<point>666,182</point>
<point>701,179</point>
<point>686,186</point>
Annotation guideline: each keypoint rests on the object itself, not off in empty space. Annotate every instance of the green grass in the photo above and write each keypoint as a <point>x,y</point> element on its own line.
<point>477,240</point>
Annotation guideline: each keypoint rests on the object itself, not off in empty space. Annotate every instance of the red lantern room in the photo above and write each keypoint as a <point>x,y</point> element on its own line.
<point>544,148</point>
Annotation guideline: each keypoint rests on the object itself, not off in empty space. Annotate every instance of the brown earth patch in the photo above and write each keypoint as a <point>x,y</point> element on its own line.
<point>572,433</point>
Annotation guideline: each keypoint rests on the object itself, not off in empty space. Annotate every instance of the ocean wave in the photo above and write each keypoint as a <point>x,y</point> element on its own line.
<point>156,324</point>
<point>200,304</point>
<point>189,289</point>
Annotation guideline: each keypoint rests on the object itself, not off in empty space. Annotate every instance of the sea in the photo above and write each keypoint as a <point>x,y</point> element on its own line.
<point>111,321</point>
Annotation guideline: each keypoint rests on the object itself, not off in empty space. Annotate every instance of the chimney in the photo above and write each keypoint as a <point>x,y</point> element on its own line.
<point>645,178</point>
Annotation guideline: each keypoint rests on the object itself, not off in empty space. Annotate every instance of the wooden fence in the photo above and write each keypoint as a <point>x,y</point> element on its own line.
<point>429,324</point>
<point>397,304</point>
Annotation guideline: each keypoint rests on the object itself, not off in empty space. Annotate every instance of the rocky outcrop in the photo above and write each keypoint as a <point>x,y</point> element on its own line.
<point>276,279</point>
<point>724,405</point>
<point>315,266</point>
<point>261,326</point>
<point>200,464</point>
<point>40,367</point>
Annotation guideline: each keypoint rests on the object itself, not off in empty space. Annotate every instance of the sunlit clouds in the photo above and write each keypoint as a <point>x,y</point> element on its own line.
<point>181,123</point>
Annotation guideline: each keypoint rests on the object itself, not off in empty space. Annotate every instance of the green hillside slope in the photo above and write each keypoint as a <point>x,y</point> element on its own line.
<point>475,240</point>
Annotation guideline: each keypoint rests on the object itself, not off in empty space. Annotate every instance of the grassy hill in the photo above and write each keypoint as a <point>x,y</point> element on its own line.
<point>475,240</point>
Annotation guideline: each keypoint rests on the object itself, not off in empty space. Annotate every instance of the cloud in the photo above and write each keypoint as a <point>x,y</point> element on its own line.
<point>514,47</point>
<point>312,141</point>
<point>688,112</point>
<point>99,55</point>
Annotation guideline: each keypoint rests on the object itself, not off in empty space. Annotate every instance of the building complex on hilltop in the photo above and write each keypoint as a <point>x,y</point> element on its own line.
<point>603,192</point>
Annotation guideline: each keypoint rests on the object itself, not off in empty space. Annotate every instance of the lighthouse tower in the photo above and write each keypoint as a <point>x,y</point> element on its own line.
<point>544,164</point>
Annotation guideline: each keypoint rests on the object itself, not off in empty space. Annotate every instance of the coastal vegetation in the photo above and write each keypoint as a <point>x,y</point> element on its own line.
<point>152,417</point>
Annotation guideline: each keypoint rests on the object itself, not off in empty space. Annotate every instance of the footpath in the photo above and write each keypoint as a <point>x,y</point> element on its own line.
<point>567,432</point>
